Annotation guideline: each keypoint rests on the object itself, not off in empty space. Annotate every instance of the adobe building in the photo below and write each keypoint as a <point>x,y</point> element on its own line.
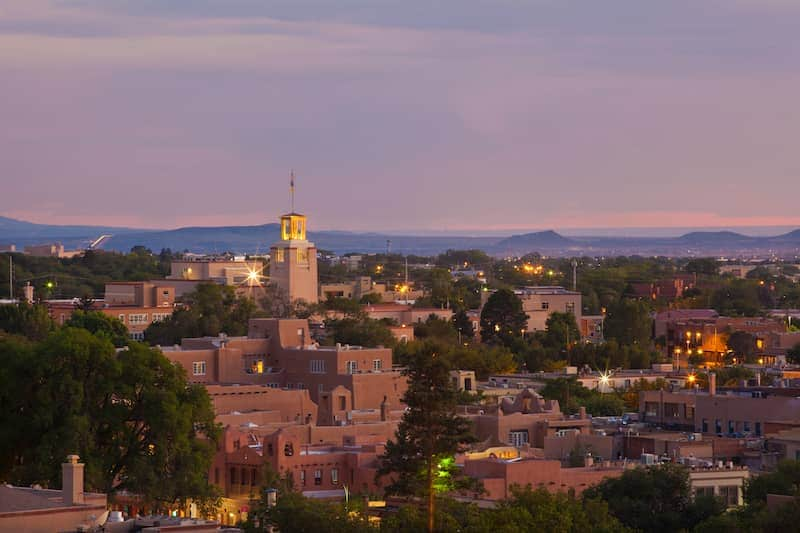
<point>499,475</point>
<point>219,270</point>
<point>37,510</point>
<point>137,304</point>
<point>280,353</point>
<point>293,261</point>
<point>525,420</point>
<point>541,301</point>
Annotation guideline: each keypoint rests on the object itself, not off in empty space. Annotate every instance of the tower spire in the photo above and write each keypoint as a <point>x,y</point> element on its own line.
<point>291,188</point>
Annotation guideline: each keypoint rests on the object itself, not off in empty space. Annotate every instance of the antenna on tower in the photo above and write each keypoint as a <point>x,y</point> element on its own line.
<point>291,188</point>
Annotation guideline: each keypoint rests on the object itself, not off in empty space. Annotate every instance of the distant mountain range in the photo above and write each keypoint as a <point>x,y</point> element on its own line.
<point>257,239</point>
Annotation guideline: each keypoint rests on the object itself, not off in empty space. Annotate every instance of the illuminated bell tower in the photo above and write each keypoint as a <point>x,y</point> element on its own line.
<point>293,260</point>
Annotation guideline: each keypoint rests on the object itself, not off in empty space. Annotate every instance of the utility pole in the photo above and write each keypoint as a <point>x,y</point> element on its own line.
<point>406,283</point>
<point>10,276</point>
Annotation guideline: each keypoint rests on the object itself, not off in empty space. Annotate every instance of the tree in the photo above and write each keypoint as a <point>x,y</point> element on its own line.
<point>705,266</point>
<point>739,297</point>
<point>420,458</point>
<point>293,512</point>
<point>436,328</point>
<point>101,325</point>
<point>32,321</point>
<point>654,499</point>
<point>210,309</point>
<point>502,318</point>
<point>362,331</point>
<point>131,416</point>
<point>629,322</point>
<point>562,331</point>
<point>464,326</point>
<point>743,345</point>
<point>784,480</point>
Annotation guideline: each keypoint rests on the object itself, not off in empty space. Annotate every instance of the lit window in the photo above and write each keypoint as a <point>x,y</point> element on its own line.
<point>199,368</point>
<point>279,258</point>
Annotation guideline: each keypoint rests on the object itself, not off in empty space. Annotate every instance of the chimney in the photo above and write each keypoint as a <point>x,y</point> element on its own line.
<point>72,481</point>
<point>712,384</point>
<point>27,291</point>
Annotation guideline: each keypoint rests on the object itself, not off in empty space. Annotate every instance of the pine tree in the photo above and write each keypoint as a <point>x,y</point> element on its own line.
<point>430,433</point>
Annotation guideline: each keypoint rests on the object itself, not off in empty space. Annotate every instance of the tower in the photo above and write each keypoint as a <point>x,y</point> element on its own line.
<point>293,260</point>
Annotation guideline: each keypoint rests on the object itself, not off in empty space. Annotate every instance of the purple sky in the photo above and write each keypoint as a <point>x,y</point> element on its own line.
<point>448,115</point>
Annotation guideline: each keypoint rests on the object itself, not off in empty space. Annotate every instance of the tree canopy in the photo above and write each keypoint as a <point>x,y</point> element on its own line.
<point>420,457</point>
<point>209,310</point>
<point>502,318</point>
<point>130,414</point>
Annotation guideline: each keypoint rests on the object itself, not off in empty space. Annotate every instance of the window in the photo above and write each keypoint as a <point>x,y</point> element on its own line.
<point>758,429</point>
<point>729,495</point>
<point>270,449</point>
<point>199,368</point>
<point>316,366</point>
<point>342,403</point>
<point>717,426</point>
<point>377,364</point>
<point>518,437</point>
<point>352,367</point>
<point>122,318</point>
<point>63,317</point>
<point>545,305</point>
<point>158,317</point>
<point>301,386</point>
<point>303,478</point>
<point>570,307</point>
<point>137,318</point>
<point>279,257</point>
<point>317,477</point>
<point>699,492</point>
<point>302,255</point>
<point>731,426</point>
<point>137,335</point>
<point>747,426</point>
<point>288,450</point>
<point>335,476</point>
<point>705,425</point>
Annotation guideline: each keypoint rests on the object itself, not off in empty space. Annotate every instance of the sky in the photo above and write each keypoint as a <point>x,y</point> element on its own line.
<point>429,116</point>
